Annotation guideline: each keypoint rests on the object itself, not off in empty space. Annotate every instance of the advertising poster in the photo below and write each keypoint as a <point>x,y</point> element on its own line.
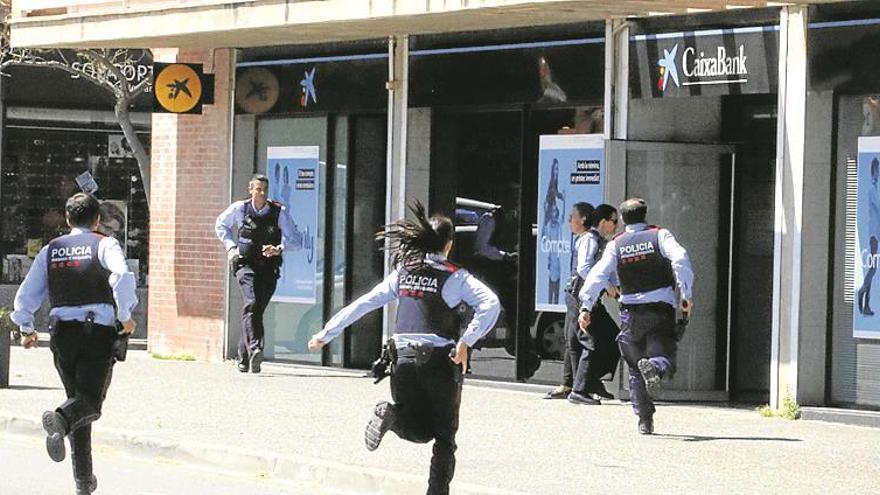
<point>114,221</point>
<point>294,182</point>
<point>866,306</point>
<point>571,168</point>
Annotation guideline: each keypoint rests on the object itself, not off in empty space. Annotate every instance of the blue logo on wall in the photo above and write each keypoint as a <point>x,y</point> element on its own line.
<point>668,69</point>
<point>308,88</point>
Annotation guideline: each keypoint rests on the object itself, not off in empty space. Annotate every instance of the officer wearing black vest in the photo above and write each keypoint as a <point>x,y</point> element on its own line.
<point>265,230</point>
<point>649,263</point>
<point>428,356</point>
<point>598,353</point>
<point>85,276</point>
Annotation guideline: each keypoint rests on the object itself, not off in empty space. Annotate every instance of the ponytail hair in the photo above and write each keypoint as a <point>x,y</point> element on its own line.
<point>410,240</point>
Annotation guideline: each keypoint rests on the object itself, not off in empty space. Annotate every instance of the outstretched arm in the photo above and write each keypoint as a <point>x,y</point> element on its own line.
<point>381,295</point>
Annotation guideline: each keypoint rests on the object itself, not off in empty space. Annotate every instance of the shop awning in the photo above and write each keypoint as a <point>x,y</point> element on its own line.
<point>245,23</point>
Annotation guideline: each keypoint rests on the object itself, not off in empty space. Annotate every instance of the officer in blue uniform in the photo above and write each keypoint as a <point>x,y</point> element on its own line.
<point>428,356</point>
<point>85,276</point>
<point>265,230</point>
<point>649,263</point>
<point>593,352</point>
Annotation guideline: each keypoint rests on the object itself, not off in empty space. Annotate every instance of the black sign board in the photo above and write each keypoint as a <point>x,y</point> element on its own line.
<point>705,63</point>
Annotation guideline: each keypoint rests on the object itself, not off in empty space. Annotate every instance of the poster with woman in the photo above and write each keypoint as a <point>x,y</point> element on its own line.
<point>294,182</point>
<point>866,321</point>
<point>571,169</point>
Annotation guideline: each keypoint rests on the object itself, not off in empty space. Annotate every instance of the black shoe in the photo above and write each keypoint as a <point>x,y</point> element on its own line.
<point>256,361</point>
<point>861,297</point>
<point>646,426</point>
<point>56,429</point>
<point>86,487</point>
<point>650,374</point>
<point>583,399</point>
<point>382,420</point>
<point>244,364</point>
<point>601,392</point>
<point>559,392</point>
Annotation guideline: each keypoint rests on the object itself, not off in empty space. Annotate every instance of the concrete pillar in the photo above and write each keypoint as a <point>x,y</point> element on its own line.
<point>789,203</point>
<point>616,78</point>
<point>395,192</point>
<point>190,187</point>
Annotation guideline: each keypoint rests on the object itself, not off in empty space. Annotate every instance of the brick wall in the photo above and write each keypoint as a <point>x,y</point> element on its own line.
<point>190,187</point>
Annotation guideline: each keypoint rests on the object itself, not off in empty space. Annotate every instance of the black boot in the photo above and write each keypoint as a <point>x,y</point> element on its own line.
<point>866,306</point>
<point>382,421</point>
<point>86,487</point>
<point>244,364</point>
<point>56,429</point>
<point>646,426</point>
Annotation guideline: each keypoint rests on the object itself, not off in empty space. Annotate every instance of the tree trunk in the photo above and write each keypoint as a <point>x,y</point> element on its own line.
<point>124,118</point>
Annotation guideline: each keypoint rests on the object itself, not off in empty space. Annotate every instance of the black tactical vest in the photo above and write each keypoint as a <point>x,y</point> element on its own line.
<point>257,231</point>
<point>76,276</point>
<point>640,265</point>
<point>421,308</point>
<point>576,282</point>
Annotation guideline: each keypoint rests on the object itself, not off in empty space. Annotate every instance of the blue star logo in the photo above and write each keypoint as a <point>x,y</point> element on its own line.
<point>668,68</point>
<point>308,88</point>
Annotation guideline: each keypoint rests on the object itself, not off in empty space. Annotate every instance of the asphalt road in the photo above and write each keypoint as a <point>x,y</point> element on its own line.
<point>25,469</point>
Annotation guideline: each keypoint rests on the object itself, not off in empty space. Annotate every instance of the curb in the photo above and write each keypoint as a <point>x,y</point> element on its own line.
<point>852,417</point>
<point>297,470</point>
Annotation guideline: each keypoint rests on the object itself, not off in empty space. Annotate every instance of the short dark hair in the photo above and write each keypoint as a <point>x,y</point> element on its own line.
<point>585,210</point>
<point>633,210</point>
<point>603,212</point>
<point>259,177</point>
<point>82,210</point>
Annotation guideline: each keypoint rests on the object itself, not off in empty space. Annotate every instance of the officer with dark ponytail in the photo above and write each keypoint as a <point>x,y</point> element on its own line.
<point>649,264</point>
<point>429,357</point>
<point>90,289</point>
<point>265,231</point>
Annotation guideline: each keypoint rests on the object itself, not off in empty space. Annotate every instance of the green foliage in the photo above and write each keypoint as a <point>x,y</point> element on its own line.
<point>789,410</point>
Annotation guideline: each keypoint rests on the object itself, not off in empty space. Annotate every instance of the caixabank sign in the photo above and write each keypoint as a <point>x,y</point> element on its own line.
<point>705,63</point>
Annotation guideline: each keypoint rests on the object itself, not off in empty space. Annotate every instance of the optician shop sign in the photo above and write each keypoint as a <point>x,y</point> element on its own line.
<point>704,63</point>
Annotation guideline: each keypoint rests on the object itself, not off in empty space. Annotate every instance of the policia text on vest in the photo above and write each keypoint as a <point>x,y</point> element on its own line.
<point>649,264</point>
<point>90,289</point>
<point>427,352</point>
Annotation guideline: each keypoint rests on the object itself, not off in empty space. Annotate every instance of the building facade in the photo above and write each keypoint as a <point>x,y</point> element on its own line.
<point>740,127</point>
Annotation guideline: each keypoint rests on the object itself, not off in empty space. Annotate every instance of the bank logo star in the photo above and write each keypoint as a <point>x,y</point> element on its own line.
<point>177,87</point>
<point>668,68</point>
<point>308,88</point>
<point>258,89</point>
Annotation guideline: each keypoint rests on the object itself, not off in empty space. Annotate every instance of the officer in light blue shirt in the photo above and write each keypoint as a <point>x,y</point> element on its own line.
<point>649,263</point>
<point>265,231</point>
<point>428,355</point>
<point>89,287</point>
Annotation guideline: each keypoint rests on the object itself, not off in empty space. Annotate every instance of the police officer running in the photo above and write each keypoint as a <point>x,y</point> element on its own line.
<point>428,356</point>
<point>649,263</point>
<point>90,288</point>
<point>265,230</point>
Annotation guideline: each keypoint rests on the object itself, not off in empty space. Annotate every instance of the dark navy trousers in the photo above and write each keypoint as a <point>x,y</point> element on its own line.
<point>646,331</point>
<point>257,286</point>
<point>84,360</point>
<point>427,398</point>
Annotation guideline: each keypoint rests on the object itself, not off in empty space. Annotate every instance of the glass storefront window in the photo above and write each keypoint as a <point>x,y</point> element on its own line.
<point>39,171</point>
<point>289,325</point>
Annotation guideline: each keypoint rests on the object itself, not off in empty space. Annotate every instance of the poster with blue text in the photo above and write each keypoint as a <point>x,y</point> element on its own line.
<point>294,182</point>
<point>866,321</point>
<point>571,169</point>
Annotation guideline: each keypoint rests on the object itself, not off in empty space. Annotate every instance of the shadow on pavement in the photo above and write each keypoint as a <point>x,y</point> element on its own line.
<point>701,438</point>
<point>32,387</point>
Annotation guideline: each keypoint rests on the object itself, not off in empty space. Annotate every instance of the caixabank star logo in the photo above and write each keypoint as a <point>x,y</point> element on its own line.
<point>667,69</point>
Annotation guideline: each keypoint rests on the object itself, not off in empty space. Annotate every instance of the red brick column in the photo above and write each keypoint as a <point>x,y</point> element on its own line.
<point>190,187</point>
